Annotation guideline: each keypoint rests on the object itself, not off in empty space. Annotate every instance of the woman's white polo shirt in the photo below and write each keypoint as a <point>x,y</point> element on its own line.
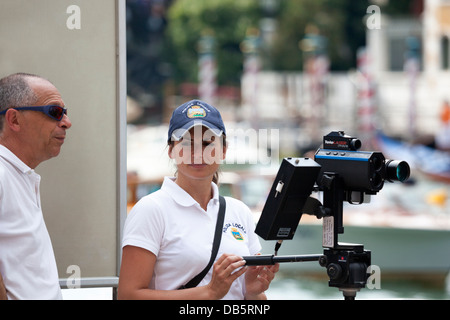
<point>172,225</point>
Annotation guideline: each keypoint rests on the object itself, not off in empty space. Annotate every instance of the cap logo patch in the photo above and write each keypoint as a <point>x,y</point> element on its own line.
<point>196,112</point>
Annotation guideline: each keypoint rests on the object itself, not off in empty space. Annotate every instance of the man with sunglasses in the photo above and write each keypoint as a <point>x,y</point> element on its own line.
<point>33,125</point>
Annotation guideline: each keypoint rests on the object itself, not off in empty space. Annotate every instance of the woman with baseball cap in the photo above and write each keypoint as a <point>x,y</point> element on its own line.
<point>171,234</point>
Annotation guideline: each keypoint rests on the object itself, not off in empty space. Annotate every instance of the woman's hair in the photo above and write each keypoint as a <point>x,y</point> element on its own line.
<point>171,143</point>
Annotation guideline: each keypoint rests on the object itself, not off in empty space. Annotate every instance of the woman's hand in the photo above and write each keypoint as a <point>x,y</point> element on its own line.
<point>137,270</point>
<point>225,271</point>
<point>258,279</point>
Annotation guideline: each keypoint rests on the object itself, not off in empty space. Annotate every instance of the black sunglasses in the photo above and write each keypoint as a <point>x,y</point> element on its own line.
<point>53,111</point>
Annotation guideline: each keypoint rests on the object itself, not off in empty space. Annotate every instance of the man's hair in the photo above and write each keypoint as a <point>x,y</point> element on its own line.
<point>15,91</point>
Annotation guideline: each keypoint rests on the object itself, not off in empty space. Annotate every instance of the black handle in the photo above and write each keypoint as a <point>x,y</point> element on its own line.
<point>266,260</point>
<point>261,260</point>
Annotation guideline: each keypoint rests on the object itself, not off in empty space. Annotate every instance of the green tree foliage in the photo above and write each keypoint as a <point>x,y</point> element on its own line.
<point>227,20</point>
<point>340,21</point>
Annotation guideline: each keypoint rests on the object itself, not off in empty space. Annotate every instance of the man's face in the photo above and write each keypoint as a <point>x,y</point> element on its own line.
<point>43,135</point>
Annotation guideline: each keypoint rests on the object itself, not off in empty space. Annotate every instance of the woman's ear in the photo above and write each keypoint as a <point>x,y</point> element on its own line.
<point>225,148</point>
<point>169,152</point>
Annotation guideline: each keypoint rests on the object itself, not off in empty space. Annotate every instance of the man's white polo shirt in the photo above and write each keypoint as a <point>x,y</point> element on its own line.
<point>172,225</point>
<point>27,261</point>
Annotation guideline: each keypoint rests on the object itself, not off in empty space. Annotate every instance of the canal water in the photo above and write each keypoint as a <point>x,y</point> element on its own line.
<point>303,288</point>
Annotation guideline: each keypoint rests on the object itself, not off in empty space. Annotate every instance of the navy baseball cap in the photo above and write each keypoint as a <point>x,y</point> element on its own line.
<point>194,113</point>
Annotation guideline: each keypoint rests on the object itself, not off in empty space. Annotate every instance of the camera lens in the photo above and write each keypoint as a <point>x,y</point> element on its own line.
<point>397,170</point>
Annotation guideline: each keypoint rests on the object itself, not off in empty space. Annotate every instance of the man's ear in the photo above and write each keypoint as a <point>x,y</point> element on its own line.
<point>13,120</point>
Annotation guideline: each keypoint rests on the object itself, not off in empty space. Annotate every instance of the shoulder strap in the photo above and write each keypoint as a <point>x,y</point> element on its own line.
<point>215,248</point>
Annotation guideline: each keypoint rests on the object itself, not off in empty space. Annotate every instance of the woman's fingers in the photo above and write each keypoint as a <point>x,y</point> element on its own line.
<point>227,264</point>
<point>225,271</point>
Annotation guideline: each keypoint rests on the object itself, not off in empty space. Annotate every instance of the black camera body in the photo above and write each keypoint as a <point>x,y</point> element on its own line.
<point>362,171</point>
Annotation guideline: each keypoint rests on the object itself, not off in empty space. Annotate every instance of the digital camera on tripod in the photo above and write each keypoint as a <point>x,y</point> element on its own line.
<point>342,173</point>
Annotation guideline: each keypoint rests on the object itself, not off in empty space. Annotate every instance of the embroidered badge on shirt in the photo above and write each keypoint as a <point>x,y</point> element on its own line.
<point>236,230</point>
<point>236,234</point>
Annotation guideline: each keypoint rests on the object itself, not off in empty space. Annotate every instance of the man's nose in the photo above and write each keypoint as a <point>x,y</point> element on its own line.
<point>65,122</point>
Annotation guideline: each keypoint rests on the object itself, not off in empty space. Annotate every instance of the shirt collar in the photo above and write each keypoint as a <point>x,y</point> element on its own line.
<point>181,196</point>
<point>6,154</point>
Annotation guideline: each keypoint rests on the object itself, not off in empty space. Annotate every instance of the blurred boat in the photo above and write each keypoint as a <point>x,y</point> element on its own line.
<point>432,162</point>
